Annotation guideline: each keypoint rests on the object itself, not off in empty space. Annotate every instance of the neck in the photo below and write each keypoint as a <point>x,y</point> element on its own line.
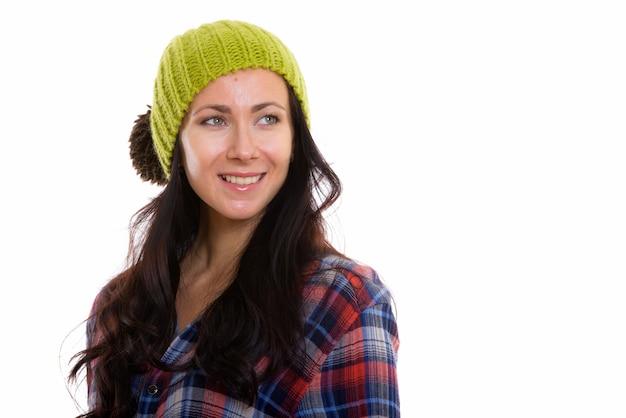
<point>210,265</point>
<point>222,240</point>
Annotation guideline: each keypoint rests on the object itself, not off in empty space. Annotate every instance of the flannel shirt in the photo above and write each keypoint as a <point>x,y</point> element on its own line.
<point>352,343</point>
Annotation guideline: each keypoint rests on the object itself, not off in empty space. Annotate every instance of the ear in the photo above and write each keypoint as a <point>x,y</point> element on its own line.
<point>142,154</point>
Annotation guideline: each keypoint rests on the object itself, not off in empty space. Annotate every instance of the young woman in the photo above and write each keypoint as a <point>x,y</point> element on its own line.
<point>234,303</point>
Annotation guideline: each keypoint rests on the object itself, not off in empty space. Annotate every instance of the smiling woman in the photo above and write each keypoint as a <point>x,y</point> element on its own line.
<point>236,144</point>
<point>234,302</point>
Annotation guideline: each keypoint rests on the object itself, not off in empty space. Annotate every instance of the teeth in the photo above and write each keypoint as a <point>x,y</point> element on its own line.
<point>242,181</point>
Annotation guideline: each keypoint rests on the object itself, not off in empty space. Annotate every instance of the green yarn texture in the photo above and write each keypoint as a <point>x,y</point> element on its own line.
<point>201,55</point>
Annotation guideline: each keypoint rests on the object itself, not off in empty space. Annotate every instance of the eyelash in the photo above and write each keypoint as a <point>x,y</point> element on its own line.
<point>274,120</point>
<point>213,119</point>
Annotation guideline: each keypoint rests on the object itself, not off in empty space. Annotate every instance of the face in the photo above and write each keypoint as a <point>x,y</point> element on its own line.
<point>236,143</point>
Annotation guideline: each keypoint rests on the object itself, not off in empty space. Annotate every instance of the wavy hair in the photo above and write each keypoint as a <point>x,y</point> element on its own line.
<point>258,317</point>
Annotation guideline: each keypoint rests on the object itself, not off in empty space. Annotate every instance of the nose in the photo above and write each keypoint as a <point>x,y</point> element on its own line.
<point>242,144</point>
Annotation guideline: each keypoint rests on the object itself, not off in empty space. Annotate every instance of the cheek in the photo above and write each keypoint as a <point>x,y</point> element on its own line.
<point>284,151</point>
<point>188,162</point>
<point>283,160</point>
<point>193,157</point>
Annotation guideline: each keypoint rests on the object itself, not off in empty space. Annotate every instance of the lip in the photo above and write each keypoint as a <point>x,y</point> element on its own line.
<point>242,181</point>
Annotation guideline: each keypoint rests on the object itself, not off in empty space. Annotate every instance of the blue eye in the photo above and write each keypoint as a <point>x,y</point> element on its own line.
<point>268,120</point>
<point>214,120</point>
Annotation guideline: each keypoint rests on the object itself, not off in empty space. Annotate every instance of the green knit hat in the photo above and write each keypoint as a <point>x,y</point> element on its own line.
<point>190,62</point>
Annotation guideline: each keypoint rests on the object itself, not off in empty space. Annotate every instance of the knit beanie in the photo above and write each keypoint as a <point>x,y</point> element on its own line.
<point>190,62</point>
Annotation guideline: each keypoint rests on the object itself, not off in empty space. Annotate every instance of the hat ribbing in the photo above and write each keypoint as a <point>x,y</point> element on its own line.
<point>197,57</point>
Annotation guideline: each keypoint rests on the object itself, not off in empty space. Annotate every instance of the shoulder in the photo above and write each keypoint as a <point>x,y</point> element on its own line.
<point>335,280</point>
<point>348,310</point>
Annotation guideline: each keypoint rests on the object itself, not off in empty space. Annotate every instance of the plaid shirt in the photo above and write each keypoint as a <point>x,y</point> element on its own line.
<point>351,341</point>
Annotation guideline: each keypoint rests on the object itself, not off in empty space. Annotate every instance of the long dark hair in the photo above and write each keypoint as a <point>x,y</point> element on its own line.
<point>257,317</point>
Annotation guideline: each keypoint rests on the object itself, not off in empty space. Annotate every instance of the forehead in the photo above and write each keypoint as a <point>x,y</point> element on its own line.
<point>248,84</point>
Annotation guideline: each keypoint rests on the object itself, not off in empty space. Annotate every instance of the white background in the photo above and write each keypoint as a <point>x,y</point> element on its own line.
<point>481,145</point>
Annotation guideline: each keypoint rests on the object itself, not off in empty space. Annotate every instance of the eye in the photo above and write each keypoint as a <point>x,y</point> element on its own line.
<point>214,120</point>
<point>268,120</point>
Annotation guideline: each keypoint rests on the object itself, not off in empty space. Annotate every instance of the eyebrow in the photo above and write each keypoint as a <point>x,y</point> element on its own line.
<point>226,109</point>
<point>219,108</point>
<point>261,106</point>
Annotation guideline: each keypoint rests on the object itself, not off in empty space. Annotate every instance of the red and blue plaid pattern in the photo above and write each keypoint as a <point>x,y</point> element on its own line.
<point>351,339</point>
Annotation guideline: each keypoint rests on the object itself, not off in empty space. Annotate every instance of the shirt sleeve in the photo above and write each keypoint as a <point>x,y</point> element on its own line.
<point>358,378</point>
<point>93,336</point>
<point>360,372</point>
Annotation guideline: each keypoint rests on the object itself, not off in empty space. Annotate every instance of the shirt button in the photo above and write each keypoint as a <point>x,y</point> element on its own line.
<point>153,389</point>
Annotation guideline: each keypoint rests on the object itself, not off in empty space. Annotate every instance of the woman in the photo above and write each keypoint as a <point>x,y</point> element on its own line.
<point>234,303</point>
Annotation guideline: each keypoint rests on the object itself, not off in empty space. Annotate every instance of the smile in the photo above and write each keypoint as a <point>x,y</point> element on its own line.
<point>241,181</point>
